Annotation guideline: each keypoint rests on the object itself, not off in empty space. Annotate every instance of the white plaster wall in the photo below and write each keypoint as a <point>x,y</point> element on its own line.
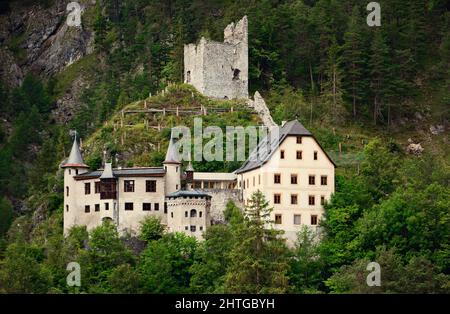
<point>130,219</point>
<point>285,167</point>
<point>177,221</point>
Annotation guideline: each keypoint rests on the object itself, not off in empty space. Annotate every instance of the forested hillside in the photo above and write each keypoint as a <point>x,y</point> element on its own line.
<point>365,92</point>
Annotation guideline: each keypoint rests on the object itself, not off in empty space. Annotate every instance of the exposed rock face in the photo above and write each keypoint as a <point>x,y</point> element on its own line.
<point>435,130</point>
<point>259,105</point>
<point>39,40</point>
<point>68,104</point>
<point>413,148</point>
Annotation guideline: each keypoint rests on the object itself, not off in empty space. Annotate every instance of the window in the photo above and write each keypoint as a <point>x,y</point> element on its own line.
<point>244,183</point>
<point>299,139</point>
<point>313,220</point>
<point>67,191</point>
<point>150,186</point>
<point>278,219</point>
<point>186,214</point>
<point>87,188</point>
<point>188,76</point>
<point>186,228</point>
<point>201,228</point>
<point>312,180</point>
<point>259,179</point>
<point>171,214</point>
<point>67,208</point>
<point>253,181</point>
<point>146,206</point>
<point>87,209</point>
<point>106,206</point>
<point>322,200</point>
<point>293,179</point>
<point>165,208</point>
<point>97,187</point>
<point>323,180</point>
<point>193,213</point>
<point>236,74</point>
<point>70,172</point>
<point>76,171</point>
<point>282,154</point>
<point>193,228</point>
<point>297,219</point>
<point>277,198</point>
<point>248,185</point>
<point>128,186</point>
<point>200,214</point>
<point>128,206</point>
<point>315,155</point>
<point>311,200</point>
<point>156,206</point>
<point>293,199</point>
<point>277,178</point>
<point>299,154</point>
<point>97,207</point>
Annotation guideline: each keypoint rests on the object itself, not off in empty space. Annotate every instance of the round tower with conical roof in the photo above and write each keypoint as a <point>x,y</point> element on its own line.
<point>172,165</point>
<point>73,166</point>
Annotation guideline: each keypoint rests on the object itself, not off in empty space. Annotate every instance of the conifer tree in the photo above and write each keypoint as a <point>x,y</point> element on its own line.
<point>259,259</point>
<point>379,64</point>
<point>353,61</point>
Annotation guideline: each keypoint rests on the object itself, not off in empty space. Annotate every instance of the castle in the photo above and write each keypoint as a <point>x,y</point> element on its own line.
<point>220,70</point>
<point>289,166</point>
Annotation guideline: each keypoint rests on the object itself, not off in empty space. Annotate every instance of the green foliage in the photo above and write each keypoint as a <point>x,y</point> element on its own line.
<point>164,265</point>
<point>419,276</point>
<point>258,260</point>
<point>151,229</point>
<point>6,215</point>
<point>21,270</point>
<point>306,263</point>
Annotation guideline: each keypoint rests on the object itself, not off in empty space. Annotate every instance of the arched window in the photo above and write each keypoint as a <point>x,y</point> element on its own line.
<point>236,74</point>
<point>193,213</point>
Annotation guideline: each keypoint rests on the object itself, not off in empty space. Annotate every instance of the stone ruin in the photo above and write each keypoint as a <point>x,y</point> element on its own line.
<point>220,69</point>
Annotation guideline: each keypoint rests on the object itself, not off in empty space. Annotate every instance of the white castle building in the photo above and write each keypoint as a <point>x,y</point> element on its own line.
<point>289,166</point>
<point>293,171</point>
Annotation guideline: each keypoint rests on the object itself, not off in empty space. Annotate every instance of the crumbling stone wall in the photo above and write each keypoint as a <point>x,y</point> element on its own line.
<point>219,200</point>
<point>220,70</point>
<point>259,105</point>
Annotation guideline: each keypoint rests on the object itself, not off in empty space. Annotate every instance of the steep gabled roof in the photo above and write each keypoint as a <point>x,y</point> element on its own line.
<point>107,172</point>
<point>172,156</point>
<point>267,146</point>
<point>75,159</point>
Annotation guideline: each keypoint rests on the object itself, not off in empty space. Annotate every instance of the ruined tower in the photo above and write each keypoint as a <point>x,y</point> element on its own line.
<point>220,70</point>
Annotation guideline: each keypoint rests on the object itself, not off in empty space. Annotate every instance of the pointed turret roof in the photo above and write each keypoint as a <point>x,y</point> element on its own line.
<point>189,167</point>
<point>107,171</point>
<point>172,156</point>
<point>75,159</point>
